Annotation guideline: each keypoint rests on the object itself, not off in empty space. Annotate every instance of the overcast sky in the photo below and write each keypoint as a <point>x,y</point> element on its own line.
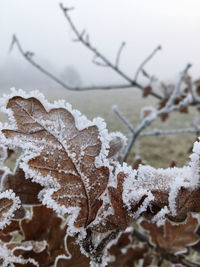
<point>143,24</point>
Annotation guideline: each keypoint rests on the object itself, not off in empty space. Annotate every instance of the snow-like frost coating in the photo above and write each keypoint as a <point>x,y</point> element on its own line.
<point>148,112</point>
<point>146,179</point>
<point>9,259</point>
<point>7,216</point>
<point>32,149</point>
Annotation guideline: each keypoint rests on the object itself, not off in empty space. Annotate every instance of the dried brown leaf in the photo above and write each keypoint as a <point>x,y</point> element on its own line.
<point>126,252</point>
<point>44,226</point>
<point>184,110</point>
<point>198,89</point>
<point>67,155</point>
<point>25,189</point>
<point>75,257</point>
<point>9,204</point>
<point>6,232</point>
<point>116,145</point>
<point>120,218</point>
<point>173,239</point>
<point>147,90</point>
<point>164,116</point>
<point>137,163</point>
<point>186,201</point>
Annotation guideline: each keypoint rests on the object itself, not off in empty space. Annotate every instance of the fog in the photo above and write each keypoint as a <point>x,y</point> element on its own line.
<point>143,24</point>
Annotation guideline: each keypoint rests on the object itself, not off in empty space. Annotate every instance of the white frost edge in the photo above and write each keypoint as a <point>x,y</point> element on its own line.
<point>81,121</point>
<point>172,179</point>
<point>7,216</point>
<point>9,258</point>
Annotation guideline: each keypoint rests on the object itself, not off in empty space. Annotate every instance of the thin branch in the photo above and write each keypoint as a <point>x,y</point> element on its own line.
<point>98,54</point>
<point>157,132</point>
<point>169,107</point>
<point>177,88</point>
<point>84,39</point>
<point>146,61</point>
<point>26,55</point>
<point>98,63</point>
<point>119,54</point>
<point>36,65</point>
<point>123,118</point>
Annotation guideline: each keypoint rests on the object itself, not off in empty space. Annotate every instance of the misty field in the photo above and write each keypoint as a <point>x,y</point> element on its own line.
<point>157,151</point>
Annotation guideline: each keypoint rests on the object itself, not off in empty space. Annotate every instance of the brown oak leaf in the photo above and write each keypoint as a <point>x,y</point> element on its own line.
<point>146,91</point>
<point>11,255</point>
<point>75,257</point>
<point>6,232</point>
<point>116,146</point>
<point>43,237</point>
<point>66,160</point>
<point>24,188</point>
<point>45,226</point>
<point>9,204</point>
<point>126,251</point>
<point>119,217</point>
<point>171,238</point>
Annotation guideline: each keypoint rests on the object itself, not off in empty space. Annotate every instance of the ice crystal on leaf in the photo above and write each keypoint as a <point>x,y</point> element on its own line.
<point>72,165</point>
<point>175,239</point>
<point>9,203</point>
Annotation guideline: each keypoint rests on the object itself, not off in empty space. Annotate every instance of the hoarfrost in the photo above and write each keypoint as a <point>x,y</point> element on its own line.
<point>8,209</point>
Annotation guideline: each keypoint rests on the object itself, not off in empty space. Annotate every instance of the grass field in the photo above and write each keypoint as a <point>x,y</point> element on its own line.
<point>157,151</point>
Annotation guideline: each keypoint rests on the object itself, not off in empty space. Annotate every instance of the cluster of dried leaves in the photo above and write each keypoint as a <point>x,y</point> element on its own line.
<point>69,202</point>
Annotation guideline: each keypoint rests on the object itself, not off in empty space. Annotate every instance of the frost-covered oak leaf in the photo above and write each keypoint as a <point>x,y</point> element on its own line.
<point>126,251</point>
<point>173,239</point>
<point>73,256</point>
<point>116,145</point>
<point>9,203</point>
<point>119,218</point>
<point>60,155</point>
<point>44,227</point>
<point>7,232</point>
<point>8,257</point>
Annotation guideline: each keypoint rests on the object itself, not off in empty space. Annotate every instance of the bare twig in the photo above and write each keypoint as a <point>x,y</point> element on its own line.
<point>84,39</point>
<point>157,132</point>
<point>169,107</point>
<point>98,54</point>
<point>123,119</point>
<point>119,54</point>
<point>15,41</point>
<point>98,63</point>
<point>26,55</point>
<point>146,61</point>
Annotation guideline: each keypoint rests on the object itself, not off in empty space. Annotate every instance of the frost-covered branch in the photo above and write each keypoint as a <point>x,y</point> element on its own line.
<point>176,90</point>
<point>157,132</point>
<point>154,114</point>
<point>123,118</point>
